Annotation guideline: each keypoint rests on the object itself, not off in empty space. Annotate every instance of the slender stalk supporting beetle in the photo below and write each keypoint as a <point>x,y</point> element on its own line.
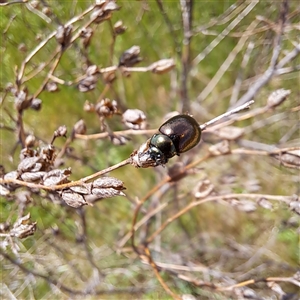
<point>177,135</point>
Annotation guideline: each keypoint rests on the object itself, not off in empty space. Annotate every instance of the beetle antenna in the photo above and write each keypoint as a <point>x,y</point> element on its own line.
<point>227,114</point>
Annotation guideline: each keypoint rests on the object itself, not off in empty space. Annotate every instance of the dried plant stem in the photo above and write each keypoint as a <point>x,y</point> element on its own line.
<point>193,204</point>
<point>225,32</point>
<point>69,184</point>
<point>45,41</point>
<point>226,64</point>
<point>161,281</point>
<point>227,114</point>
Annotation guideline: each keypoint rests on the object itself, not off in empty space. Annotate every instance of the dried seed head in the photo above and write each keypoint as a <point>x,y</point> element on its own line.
<point>63,35</point>
<point>30,141</point>
<point>22,100</point>
<point>88,106</point>
<point>118,139</point>
<point>47,11</point>
<point>134,119</point>
<point>56,177</point>
<point>86,35</point>
<point>36,104</point>
<point>103,11</point>
<point>23,227</point>
<point>243,205</point>
<point>119,28</point>
<point>106,108</point>
<point>29,164</point>
<point>203,189</point>
<point>130,57</point>
<point>92,70</point>
<point>263,202</point>
<point>88,83</point>
<point>278,97</point>
<point>35,4</point>
<point>22,47</point>
<point>73,199</point>
<point>61,131</point>
<point>33,176</point>
<point>290,159</point>
<point>80,127</point>
<point>162,66</point>
<point>106,182</point>
<point>51,87</point>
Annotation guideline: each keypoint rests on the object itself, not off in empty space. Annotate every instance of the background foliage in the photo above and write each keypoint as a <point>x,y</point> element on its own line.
<point>206,251</point>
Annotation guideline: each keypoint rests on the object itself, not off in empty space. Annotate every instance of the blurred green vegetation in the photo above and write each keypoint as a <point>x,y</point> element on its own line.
<point>203,235</point>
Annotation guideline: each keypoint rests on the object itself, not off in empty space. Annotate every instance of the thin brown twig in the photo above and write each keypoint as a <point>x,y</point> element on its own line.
<point>285,199</point>
<point>69,184</point>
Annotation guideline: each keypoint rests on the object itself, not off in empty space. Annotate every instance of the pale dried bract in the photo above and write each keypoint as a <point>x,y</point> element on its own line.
<point>79,127</point>
<point>278,97</point>
<point>162,66</point>
<point>290,159</point>
<point>130,57</point>
<point>56,177</point>
<point>73,199</point>
<point>23,227</point>
<point>134,119</point>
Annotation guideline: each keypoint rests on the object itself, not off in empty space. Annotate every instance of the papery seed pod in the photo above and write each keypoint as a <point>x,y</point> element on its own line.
<point>134,119</point>
<point>36,104</point>
<point>100,3</point>
<point>63,35</point>
<point>73,199</point>
<point>110,6</point>
<point>106,192</point>
<point>88,106</point>
<point>86,35</point>
<point>265,203</point>
<point>47,11</point>
<point>4,227</point>
<point>51,87</point>
<point>162,66</point>
<point>28,164</point>
<point>23,227</point>
<point>106,108</point>
<point>130,57</point>
<point>33,176</point>
<point>290,159</point>
<point>88,83</point>
<point>22,47</point>
<point>278,97</point>
<point>4,191</point>
<point>22,100</point>
<point>119,28</point>
<point>35,4</point>
<point>118,140</point>
<point>83,189</point>
<point>105,182</point>
<point>92,70</point>
<point>56,177</point>
<point>80,127</point>
<point>203,189</point>
<point>61,131</point>
<point>30,141</point>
